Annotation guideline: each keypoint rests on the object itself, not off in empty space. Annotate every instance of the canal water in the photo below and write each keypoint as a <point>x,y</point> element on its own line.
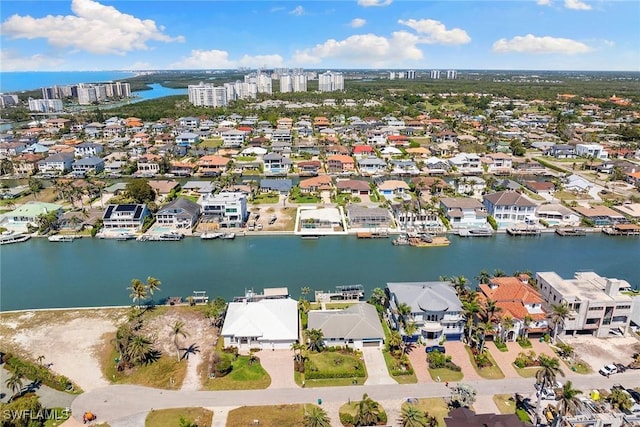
<point>93,272</point>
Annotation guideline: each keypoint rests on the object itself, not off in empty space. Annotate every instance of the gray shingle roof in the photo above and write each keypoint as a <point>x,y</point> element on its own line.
<point>360,321</point>
<point>426,296</point>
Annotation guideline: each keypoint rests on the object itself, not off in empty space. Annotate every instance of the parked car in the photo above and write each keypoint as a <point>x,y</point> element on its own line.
<point>621,368</point>
<point>438,348</point>
<point>609,369</point>
<point>557,384</point>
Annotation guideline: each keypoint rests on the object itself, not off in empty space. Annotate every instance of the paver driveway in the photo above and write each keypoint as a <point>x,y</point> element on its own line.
<point>504,359</point>
<point>418,359</point>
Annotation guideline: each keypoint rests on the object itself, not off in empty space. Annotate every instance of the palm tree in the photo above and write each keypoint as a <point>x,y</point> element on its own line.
<point>483,277</point>
<point>315,339</point>
<point>378,297</point>
<point>569,402</point>
<point>297,355</point>
<point>215,310</point>
<point>368,412</point>
<point>138,291</point>
<point>460,284</point>
<point>14,382</point>
<point>490,309</point>
<point>153,285</point>
<point>546,376</point>
<point>139,349</point>
<point>499,273</point>
<point>470,310</point>
<point>411,416</point>
<point>506,323</point>
<point>315,416</point>
<point>404,310</point>
<point>178,328</point>
<point>395,341</point>
<point>619,399</point>
<point>559,313</point>
<point>526,322</point>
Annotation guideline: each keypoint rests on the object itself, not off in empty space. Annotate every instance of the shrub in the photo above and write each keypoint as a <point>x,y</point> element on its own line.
<point>524,342</point>
<point>331,349</point>
<point>482,360</point>
<point>36,372</point>
<point>223,367</point>
<point>346,419</point>
<point>526,360</point>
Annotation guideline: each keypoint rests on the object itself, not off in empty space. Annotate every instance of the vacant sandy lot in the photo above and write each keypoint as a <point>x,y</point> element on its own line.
<point>600,351</point>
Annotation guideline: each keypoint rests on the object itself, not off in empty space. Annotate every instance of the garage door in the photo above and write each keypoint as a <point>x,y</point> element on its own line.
<point>364,192</point>
<point>371,343</point>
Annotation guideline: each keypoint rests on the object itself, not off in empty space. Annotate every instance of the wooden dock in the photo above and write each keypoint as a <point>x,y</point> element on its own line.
<point>372,234</point>
<point>623,230</point>
<point>570,232</point>
<point>529,231</point>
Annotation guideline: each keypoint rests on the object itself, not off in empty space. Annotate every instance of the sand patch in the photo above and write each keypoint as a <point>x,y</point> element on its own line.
<point>598,352</point>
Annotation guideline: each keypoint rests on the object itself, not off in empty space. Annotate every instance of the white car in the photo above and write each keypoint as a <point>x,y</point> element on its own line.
<point>609,369</point>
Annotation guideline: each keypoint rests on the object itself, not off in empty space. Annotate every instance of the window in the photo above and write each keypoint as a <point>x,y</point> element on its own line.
<point>596,308</point>
<point>593,321</point>
<point>619,319</point>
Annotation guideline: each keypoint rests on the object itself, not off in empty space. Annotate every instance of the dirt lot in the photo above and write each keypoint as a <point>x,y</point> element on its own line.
<point>600,351</point>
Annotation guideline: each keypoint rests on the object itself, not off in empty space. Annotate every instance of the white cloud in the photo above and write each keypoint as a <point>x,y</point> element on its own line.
<point>94,28</point>
<point>544,2</point>
<point>545,44</point>
<point>297,11</point>
<point>276,9</point>
<point>220,59</point>
<point>357,22</point>
<point>12,61</point>
<point>366,50</point>
<point>576,5</point>
<point>374,3</point>
<point>436,32</point>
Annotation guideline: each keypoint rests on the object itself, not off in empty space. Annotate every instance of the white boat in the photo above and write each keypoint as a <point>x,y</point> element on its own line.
<point>125,236</point>
<point>228,236</point>
<point>171,235</point>
<point>60,238</point>
<point>9,237</point>
<point>208,235</point>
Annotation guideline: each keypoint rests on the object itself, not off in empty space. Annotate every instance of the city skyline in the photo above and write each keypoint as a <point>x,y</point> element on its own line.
<point>86,35</point>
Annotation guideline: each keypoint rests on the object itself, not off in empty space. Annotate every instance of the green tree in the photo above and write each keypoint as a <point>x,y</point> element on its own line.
<point>483,277</point>
<point>378,297</point>
<point>215,310</point>
<point>315,416</point>
<point>140,350</point>
<point>14,382</point>
<point>411,416</point>
<point>470,310</point>
<point>460,285</point>
<point>47,221</point>
<point>569,402</point>
<point>35,185</point>
<point>315,339</point>
<point>619,400</point>
<point>138,291</point>
<point>558,315</point>
<point>153,285</point>
<point>368,412</point>
<point>463,395</point>
<point>546,376</point>
<point>140,191</point>
<point>178,329</point>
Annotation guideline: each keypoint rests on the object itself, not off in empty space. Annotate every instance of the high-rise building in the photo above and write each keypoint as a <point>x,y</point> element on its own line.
<point>262,81</point>
<point>452,74</point>
<point>295,82</point>
<point>86,94</point>
<point>330,82</point>
<point>392,75</point>
<point>411,74</point>
<point>45,105</point>
<point>9,100</point>
<point>435,74</point>
<point>207,95</point>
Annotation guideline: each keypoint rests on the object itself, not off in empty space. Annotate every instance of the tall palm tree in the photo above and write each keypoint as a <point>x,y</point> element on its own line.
<point>315,339</point>
<point>559,313</point>
<point>14,382</point>
<point>153,285</point>
<point>411,416</point>
<point>378,297</point>
<point>470,309</point>
<point>490,309</point>
<point>483,277</point>
<point>618,399</point>
<point>460,285</point>
<point>526,323</point>
<point>506,323</point>
<point>315,416</point>
<point>546,376</point>
<point>178,329</point>
<point>138,291</point>
<point>368,412</point>
<point>297,355</point>
<point>569,402</point>
<point>499,273</point>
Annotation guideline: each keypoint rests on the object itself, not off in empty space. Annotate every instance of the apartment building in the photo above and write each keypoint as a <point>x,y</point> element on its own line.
<point>225,208</point>
<point>330,82</point>
<point>207,95</point>
<point>296,82</point>
<point>597,306</point>
<point>45,105</point>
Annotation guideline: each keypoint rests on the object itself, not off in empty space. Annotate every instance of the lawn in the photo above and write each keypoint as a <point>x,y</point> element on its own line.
<point>267,416</point>
<point>171,417</point>
<point>435,406</point>
<point>445,374</point>
<point>56,417</point>
<point>304,198</point>
<point>332,305</point>
<point>492,372</point>
<point>243,376</point>
<point>400,379</point>
<point>334,364</point>
<point>505,403</point>
<point>211,143</point>
<point>266,198</point>
<point>529,372</point>
<point>351,408</point>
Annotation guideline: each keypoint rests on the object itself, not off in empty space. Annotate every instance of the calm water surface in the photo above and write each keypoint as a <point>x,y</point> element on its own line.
<point>92,272</point>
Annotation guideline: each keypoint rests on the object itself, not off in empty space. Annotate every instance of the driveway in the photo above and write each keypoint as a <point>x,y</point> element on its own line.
<point>504,359</point>
<point>418,359</point>
<point>279,365</point>
<point>376,368</point>
<point>460,357</point>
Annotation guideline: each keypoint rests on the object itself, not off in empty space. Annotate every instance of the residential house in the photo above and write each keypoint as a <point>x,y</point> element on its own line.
<point>557,215</point>
<point>266,324</point>
<point>393,188</point>
<point>509,207</point>
<point>181,169</point>
<point>436,166</point>
<point>163,187</point>
<point>498,163</point>
<point>189,122</point>
<point>577,183</point>
<point>233,138</point>
<point>26,216</point>
<point>10,149</point>
<point>113,130</point>
<point>282,135</point>
<point>316,184</point>
<point>335,150</point>
<point>212,165</point>
<point>340,163</point>
<point>56,164</point>
<point>130,217</point>
<point>26,164</point>
<point>403,167</point>
<point>517,299</point>
<point>465,417</point>
<point>371,166</point>
<point>376,138</point>
<point>596,304</point>
<point>275,164</point>
<point>281,147</point>
<point>355,187</point>
<point>362,151</point>
<point>88,149</point>
<point>280,186</point>
<point>357,326</point>
<point>470,185</point>
<point>309,167</point>
<point>434,307</point>
<point>187,139</point>
<point>180,213</point>
<point>398,140</point>
<point>364,217</point>
<point>601,216</point>
<point>595,151</point>
<point>447,136</point>
<point>88,166</point>
<point>467,163</point>
<point>464,212</point>
<point>561,151</point>
<point>149,165</point>
<point>540,187</point>
<point>93,130</point>
<point>228,209</point>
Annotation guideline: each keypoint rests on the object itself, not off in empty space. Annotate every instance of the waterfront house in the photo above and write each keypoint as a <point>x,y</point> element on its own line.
<point>540,187</point>
<point>594,151</point>
<point>56,164</point>
<point>340,163</point>
<point>517,299</point>
<point>464,212</point>
<point>356,326</point>
<point>467,163</point>
<point>596,304</point>
<point>266,324</point>
<point>275,164</point>
<point>509,207</point>
<point>228,209</point>
<point>393,188</point>
<point>25,216</point>
<point>280,186</point>
<point>601,216</point>
<point>187,139</point>
<point>88,165</point>
<point>181,169</point>
<point>212,165</point>
<point>403,167</point>
<point>498,163</point>
<point>127,216</point>
<point>180,213</point>
<point>436,166</point>
<point>10,149</point>
<point>556,214</point>
<point>362,151</point>
<point>368,217</point>
<point>355,187</point>
<point>561,151</point>
<point>26,164</point>
<point>434,307</point>
<point>308,167</point>
<point>148,165</point>
<point>316,184</point>
<point>371,165</point>
<point>87,149</point>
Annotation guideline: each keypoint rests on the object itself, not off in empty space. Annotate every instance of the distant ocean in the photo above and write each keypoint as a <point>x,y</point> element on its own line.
<point>19,81</point>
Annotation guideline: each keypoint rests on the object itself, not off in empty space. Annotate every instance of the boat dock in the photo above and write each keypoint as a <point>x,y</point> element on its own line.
<point>525,231</point>
<point>435,241</point>
<point>474,232</point>
<point>372,234</point>
<point>622,230</point>
<point>342,293</point>
<point>570,232</point>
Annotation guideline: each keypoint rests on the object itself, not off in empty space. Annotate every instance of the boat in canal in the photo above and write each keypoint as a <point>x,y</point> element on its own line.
<point>61,238</point>
<point>8,237</point>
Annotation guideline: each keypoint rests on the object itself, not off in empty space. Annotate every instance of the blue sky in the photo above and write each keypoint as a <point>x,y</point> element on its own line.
<point>480,34</point>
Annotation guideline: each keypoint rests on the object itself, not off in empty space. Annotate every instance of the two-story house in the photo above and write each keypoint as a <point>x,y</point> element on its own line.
<point>371,165</point>
<point>233,138</point>
<point>56,164</point>
<point>88,166</point>
<point>464,212</point>
<point>88,149</point>
<point>393,188</point>
<point>180,213</point>
<point>467,163</point>
<point>275,164</point>
<point>129,217</point>
<point>187,139</point>
<point>228,209</point>
<point>340,163</point>
<point>509,207</point>
<point>149,165</point>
